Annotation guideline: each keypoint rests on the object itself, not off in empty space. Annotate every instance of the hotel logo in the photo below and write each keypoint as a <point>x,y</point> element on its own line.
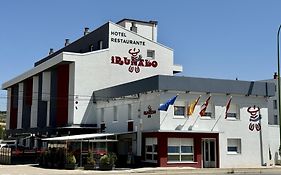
<point>135,62</point>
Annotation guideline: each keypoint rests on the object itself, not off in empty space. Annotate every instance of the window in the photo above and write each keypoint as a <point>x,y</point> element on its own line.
<point>102,127</point>
<point>180,150</point>
<point>100,44</point>
<point>208,114</point>
<point>233,112</point>
<point>91,47</point>
<point>102,114</point>
<point>151,149</point>
<point>150,54</point>
<point>233,146</point>
<point>275,120</point>
<point>129,111</point>
<point>115,113</point>
<point>274,104</point>
<point>130,126</point>
<point>134,28</point>
<point>179,110</point>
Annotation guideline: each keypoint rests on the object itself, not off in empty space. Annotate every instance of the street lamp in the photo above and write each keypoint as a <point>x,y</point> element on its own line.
<point>278,85</point>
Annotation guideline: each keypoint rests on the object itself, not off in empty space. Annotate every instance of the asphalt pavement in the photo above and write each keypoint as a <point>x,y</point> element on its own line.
<point>35,170</point>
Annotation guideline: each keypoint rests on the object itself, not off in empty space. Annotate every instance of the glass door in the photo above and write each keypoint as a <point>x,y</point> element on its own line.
<point>209,153</point>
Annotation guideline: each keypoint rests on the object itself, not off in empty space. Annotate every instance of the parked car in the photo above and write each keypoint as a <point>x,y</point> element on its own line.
<point>2,145</point>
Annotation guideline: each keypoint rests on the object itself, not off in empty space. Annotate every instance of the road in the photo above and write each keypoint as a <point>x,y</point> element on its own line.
<point>34,170</point>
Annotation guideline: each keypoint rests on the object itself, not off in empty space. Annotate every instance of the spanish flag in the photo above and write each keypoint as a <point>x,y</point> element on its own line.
<point>204,107</point>
<point>227,106</point>
<point>192,105</point>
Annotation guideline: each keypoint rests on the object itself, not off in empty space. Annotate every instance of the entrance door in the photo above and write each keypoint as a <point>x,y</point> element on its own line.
<point>209,153</point>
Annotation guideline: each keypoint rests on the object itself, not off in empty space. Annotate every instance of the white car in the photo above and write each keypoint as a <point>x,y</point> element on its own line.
<point>2,145</point>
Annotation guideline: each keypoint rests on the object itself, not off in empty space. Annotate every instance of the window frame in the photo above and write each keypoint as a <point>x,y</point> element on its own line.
<point>180,107</point>
<point>115,114</point>
<point>91,47</point>
<point>102,115</point>
<point>151,142</point>
<point>234,143</point>
<point>130,115</point>
<point>100,44</point>
<point>150,51</point>
<point>237,113</point>
<point>275,105</point>
<point>134,28</point>
<point>179,143</point>
<point>210,111</point>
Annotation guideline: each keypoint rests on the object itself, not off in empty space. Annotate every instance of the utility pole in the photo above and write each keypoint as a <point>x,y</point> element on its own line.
<point>278,85</point>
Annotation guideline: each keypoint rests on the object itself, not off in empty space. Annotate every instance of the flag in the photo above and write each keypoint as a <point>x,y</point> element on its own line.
<point>191,107</point>
<point>227,107</point>
<point>204,107</point>
<point>165,106</point>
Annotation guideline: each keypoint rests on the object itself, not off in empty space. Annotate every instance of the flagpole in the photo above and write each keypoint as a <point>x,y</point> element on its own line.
<point>191,126</point>
<point>165,107</point>
<point>164,118</point>
<point>187,113</point>
<point>216,122</point>
<point>226,110</point>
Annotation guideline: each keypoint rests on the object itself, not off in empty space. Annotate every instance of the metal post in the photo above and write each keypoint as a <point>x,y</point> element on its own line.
<point>261,145</point>
<point>81,150</point>
<point>278,85</point>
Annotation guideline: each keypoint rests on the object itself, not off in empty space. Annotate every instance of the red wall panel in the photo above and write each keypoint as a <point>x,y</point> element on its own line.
<point>14,107</point>
<point>62,95</point>
<point>28,85</point>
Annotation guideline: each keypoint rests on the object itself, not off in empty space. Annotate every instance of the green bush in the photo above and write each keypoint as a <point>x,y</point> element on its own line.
<point>52,158</point>
<point>70,159</point>
<point>112,158</point>
<point>105,160</point>
<point>108,159</point>
<point>90,158</point>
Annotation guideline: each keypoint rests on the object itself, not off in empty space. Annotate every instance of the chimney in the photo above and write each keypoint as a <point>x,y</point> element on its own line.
<point>86,31</point>
<point>275,75</point>
<point>66,42</point>
<point>51,51</point>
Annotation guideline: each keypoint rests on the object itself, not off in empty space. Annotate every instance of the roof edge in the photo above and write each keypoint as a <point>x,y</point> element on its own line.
<point>140,21</point>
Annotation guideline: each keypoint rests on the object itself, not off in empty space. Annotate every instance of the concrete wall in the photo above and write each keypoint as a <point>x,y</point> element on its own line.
<point>20,106</point>
<point>46,92</point>
<point>273,139</point>
<point>254,144</point>
<point>251,154</point>
<point>9,92</point>
<point>34,106</point>
<point>71,96</point>
<point>138,106</point>
<point>271,110</point>
<point>147,30</point>
<point>94,70</point>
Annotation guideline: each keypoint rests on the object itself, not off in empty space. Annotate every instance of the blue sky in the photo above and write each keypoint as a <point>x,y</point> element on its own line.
<point>211,38</point>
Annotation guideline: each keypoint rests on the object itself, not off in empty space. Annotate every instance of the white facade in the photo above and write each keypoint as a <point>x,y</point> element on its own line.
<point>101,73</point>
<point>147,29</point>
<point>255,145</point>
